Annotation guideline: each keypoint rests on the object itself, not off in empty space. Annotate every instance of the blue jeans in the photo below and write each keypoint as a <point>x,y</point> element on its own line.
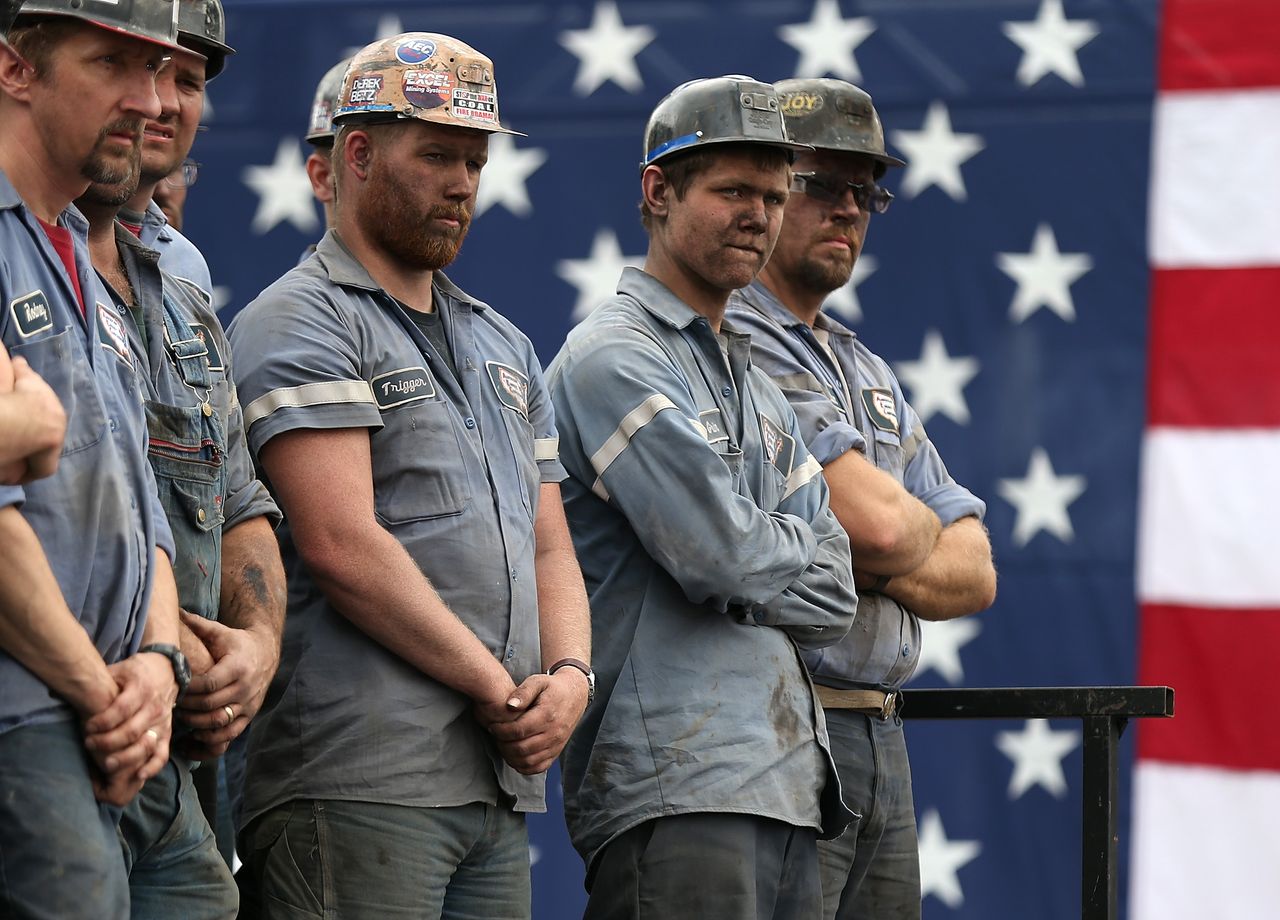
<point>59,855</point>
<point>872,871</point>
<point>358,860</point>
<point>708,866</point>
<point>175,869</point>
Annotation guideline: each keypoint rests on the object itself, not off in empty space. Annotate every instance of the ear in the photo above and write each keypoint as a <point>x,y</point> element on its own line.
<point>654,190</point>
<point>16,75</point>
<point>357,153</point>
<point>320,172</point>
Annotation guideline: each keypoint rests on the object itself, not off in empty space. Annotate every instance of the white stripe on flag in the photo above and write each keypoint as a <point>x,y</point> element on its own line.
<point>1207,517</point>
<point>1205,843</point>
<point>1215,188</point>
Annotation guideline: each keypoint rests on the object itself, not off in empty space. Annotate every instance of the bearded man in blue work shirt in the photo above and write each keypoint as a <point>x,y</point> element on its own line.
<point>436,648</point>
<point>919,547</point>
<point>88,604</point>
<point>700,778</point>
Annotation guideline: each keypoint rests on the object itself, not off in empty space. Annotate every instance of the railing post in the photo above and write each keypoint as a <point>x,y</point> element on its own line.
<point>1101,789</point>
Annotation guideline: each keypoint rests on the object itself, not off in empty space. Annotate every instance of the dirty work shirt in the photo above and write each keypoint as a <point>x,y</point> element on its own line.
<point>711,558</point>
<point>457,469</point>
<point>98,517</point>
<point>197,446</point>
<point>847,398</point>
<point>178,255</point>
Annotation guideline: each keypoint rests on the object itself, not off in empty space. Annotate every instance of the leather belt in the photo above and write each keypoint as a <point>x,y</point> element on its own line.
<point>871,702</point>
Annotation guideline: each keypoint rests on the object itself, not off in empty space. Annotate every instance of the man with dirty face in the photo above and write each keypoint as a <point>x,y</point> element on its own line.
<point>700,778</point>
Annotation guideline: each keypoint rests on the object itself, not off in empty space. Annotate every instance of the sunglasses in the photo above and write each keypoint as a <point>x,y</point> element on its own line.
<point>830,189</point>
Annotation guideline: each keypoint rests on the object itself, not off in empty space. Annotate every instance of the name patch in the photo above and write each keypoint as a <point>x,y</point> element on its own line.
<point>779,447</point>
<point>204,335</point>
<point>31,313</point>
<point>395,388</point>
<point>113,335</point>
<point>880,408</point>
<point>713,422</point>
<point>511,386</point>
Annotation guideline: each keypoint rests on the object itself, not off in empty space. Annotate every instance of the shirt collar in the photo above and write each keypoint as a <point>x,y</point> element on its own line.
<point>154,217</point>
<point>657,298</point>
<point>10,199</point>
<point>764,299</point>
<point>345,269</point>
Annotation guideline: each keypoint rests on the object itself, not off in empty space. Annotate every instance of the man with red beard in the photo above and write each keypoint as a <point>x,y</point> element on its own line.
<point>437,639</point>
<point>919,548</point>
<point>88,605</point>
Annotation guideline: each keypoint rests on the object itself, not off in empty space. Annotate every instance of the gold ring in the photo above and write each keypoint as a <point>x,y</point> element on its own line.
<point>155,735</point>
<point>231,714</point>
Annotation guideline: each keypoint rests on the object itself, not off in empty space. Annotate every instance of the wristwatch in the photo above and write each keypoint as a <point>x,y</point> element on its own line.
<point>181,670</point>
<point>581,666</point>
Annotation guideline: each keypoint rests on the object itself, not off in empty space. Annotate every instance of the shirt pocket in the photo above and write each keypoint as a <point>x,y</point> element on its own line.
<point>418,467</point>
<point>889,455</point>
<point>61,363</point>
<point>521,435</point>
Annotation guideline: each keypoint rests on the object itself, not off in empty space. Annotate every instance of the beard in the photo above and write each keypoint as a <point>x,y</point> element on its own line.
<point>103,168</point>
<point>404,232</point>
<point>822,276</point>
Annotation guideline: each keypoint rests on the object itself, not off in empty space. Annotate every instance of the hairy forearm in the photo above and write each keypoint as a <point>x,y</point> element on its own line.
<point>36,626</point>
<point>957,579</point>
<point>162,613</point>
<point>891,532</point>
<point>253,582</point>
<point>383,593</point>
<point>564,619</point>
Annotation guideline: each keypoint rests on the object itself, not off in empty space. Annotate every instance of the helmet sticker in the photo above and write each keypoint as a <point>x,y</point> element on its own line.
<point>364,90</point>
<point>415,51</point>
<point>427,89</point>
<point>475,106</point>
<point>797,105</point>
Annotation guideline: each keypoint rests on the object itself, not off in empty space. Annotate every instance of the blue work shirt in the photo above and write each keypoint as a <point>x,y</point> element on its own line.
<point>98,517</point>
<point>710,558</point>
<point>197,447</point>
<point>457,468</point>
<point>847,398</point>
<point>178,255</point>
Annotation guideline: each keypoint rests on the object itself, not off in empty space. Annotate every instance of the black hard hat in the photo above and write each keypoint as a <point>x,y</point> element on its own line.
<point>320,127</point>
<point>716,110</point>
<point>153,21</point>
<point>834,115</point>
<point>202,28</point>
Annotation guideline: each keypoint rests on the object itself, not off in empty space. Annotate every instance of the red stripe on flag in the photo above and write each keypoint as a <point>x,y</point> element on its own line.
<point>1219,44</point>
<point>1215,338</point>
<point>1222,667</point>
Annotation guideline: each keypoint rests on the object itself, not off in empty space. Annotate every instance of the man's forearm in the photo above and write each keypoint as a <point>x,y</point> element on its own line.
<point>958,578</point>
<point>36,626</point>
<point>890,531</point>
<point>564,618</point>
<point>253,582</point>
<point>162,612</point>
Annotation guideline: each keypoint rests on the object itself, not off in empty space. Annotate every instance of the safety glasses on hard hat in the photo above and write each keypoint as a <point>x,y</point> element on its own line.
<point>830,189</point>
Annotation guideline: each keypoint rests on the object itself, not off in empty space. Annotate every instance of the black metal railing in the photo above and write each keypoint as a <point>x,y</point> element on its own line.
<point>1105,711</point>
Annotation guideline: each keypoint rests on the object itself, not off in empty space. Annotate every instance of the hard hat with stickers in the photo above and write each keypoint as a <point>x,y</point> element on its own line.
<point>325,103</point>
<point>423,76</point>
<point>202,28</point>
<point>834,115</point>
<point>716,110</point>
<point>154,21</point>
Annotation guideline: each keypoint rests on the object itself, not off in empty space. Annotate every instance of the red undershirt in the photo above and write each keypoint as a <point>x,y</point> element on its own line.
<point>60,237</point>
<point>135,229</point>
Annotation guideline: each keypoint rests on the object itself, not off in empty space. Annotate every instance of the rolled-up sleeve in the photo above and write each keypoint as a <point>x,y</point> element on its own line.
<point>926,476</point>
<point>542,415</point>
<point>635,418</point>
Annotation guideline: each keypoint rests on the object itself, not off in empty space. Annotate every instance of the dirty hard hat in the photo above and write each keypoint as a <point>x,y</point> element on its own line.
<point>834,115</point>
<point>202,28</point>
<point>153,21</point>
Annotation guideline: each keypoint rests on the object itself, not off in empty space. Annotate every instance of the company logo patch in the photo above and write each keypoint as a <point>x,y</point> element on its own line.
<point>204,335</point>
<point>511,386</point>
<point>880,407</point>
<point>31,313</point>
<point>797,105</point>
<point>713,422</point>
<point>113,335</point>
<point>779,447</point>
<point>364,90</point>
<point>427,89</point>
<point>406,385</point>
<point>415,51</point>
<point>475,106</point>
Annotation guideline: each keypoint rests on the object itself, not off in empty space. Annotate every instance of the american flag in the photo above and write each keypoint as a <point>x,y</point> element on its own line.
<point>1077,288</point>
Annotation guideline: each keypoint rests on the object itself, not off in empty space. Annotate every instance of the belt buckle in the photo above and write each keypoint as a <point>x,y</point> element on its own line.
<point>890,703</point>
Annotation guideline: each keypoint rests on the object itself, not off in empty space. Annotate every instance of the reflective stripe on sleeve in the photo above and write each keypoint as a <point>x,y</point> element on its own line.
<point>801,476</point>
<point>306,395</point>
<point>617,442</point>
<point>546,448</point>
